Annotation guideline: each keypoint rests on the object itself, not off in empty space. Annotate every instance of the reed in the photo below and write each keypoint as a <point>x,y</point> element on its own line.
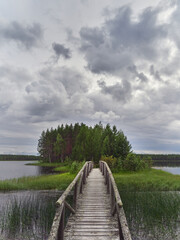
<point>152,215</point>
<point>27,218</point>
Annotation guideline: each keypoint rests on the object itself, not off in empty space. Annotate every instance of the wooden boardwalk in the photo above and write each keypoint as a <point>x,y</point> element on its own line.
<point>93,219</point>
<point>96,211</point>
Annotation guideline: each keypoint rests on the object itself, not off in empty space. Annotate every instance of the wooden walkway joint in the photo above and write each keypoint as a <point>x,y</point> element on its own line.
<point>97,212</point>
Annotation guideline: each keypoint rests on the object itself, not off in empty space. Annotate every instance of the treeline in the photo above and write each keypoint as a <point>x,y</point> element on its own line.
<point>80,142</point>
<point>11,157</point>
<point>163,159</point>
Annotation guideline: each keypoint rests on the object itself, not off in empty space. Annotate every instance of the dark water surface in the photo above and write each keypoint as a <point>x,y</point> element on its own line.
<point>17,169</point>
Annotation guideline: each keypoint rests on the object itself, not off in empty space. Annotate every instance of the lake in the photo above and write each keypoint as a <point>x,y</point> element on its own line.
<point>173,170</point>
<point>17,169</point>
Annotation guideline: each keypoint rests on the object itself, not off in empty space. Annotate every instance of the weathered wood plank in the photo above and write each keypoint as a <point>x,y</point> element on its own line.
<point>93,219</point>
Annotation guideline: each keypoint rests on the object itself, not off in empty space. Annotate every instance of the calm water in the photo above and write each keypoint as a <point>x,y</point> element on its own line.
<point>17,169</point>
<point>173,170</point>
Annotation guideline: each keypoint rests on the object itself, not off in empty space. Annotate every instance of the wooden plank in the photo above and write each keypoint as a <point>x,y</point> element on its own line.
<point>93,219</point>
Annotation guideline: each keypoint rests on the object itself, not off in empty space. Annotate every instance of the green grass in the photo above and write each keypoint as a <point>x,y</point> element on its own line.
<point>57,181</point>
<point>57,167</point>
<point>46,164</point>
<point>147,180</point>
<point>152,215</point>
<point>29,217</point>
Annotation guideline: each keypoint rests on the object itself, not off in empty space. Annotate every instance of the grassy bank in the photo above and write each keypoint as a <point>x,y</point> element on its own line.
<point>147,180</point>
<point>57,181</point>
<point>58,167</point>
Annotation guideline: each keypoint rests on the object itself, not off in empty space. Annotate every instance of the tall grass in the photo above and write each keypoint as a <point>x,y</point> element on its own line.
<point>27,218</point>
<point>152,215</point>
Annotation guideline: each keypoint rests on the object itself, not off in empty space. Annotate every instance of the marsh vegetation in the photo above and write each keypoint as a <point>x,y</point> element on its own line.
<point>27,215</point>
<point>152,215</point>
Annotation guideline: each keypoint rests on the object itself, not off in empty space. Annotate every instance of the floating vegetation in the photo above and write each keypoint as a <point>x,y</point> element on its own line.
<point>28,217</point>
<point>152,215</point>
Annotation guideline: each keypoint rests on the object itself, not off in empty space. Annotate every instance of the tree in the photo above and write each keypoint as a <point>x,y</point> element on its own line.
<point>59,147</point>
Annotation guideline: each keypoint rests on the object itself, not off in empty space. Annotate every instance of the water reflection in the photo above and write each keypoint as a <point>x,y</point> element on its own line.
<point>17,169</point>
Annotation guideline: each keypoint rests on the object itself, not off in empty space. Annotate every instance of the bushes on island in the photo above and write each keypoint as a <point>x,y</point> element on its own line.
<point>131,163</point>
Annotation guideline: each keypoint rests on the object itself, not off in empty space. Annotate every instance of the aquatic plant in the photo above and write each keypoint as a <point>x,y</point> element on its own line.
<point>152,215</point>
<point>29,217</point>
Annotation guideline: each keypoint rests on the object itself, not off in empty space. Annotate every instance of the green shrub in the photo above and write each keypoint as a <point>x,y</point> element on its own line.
<point>76,166</point>
<point>148,160</point>
<point>133,163</point>
<point>110,160</point>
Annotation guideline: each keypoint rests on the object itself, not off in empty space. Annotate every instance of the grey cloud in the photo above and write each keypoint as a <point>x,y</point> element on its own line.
<point>141,76</point>
<point>14,75</point>
<point>120,92</point>
<point>60,50</point>
<point>72,80</point>
<point>58,93</point>
<point>28,36</point>
<point>155,73</point>
<point>138,36</point>
<point>120,42</point>
<point>91,36</point>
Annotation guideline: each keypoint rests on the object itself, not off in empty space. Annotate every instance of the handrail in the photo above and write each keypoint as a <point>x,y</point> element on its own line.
<point>57,229</point>
<point>116,203</point>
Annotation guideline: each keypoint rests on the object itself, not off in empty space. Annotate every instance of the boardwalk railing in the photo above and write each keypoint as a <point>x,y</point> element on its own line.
<point>116,203</point>
<point>57,230</point>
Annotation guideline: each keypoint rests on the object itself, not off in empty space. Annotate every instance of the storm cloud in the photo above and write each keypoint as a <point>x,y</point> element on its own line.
<point>122,69</point>
<point>122,41</point>
<point>28,36</point>
<point>60,50</point>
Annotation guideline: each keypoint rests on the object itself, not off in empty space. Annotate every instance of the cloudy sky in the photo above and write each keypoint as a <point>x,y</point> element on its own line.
<point>114,61</point>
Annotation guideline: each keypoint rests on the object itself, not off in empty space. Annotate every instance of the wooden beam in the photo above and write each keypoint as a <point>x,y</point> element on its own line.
<point>69,207</point>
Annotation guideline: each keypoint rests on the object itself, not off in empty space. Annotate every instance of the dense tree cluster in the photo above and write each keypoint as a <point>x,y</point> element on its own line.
<point>163,159</point>
<point>11,157</point>
<point>80,142</point>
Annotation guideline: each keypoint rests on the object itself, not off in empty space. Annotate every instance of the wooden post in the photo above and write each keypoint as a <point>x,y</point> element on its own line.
<point>84,175</point>
<point>112,196</point>
<point>120,229</point>
<point>88,169</point>
<point>106,176</point>
<point>81,182</point>
<point>75,195</point>
<point>108,180</point>
<point>61,225</point>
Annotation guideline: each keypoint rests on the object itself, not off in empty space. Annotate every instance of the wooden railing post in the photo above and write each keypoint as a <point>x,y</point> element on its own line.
<point>108,180</point>
<point>81,182</point>
<point>57,230</point>
<point>116,204</point>
<point>61,224</point>
<point>75,195</point>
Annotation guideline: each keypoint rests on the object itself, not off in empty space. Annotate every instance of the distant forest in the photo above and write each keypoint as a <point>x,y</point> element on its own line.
<point>11,157</point>
<point>163,159</point>
<point>80,142</point>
